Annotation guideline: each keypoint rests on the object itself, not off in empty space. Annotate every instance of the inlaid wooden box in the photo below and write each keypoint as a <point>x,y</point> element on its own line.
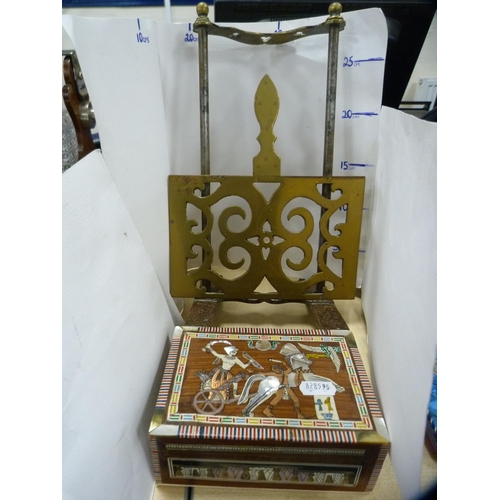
<point>267,408</point>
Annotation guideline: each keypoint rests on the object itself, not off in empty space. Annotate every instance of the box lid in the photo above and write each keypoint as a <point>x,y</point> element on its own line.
<point>255,384</point>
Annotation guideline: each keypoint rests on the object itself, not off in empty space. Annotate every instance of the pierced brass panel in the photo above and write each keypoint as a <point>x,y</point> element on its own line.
<point>264,236</point>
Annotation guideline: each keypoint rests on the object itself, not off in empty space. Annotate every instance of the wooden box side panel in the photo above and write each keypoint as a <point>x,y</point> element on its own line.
<point>267,465</point>
<point>168,376</point>
<point>375,473</point>
<point>155,457</point>
<point>369,393</point>
<point>161,401</point>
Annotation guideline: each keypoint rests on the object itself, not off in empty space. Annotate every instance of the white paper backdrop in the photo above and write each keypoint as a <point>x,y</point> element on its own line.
<point>114,333</point>
<point>400,290</point>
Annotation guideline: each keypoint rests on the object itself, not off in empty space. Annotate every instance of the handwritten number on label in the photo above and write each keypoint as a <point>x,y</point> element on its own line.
<point>317,388</point>
<point>348,62</point>
<point>142,39</point>
<point>351,114</point>
<point>190,37</point>
<point>345,165</point>
<point>139,36</point>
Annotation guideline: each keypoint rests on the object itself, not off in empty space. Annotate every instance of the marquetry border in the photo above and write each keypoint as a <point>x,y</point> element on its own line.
<point>315,469</point>
<point>280,335</point>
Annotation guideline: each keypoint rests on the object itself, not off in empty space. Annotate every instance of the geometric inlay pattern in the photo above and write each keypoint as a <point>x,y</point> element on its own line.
<point>322,411</point>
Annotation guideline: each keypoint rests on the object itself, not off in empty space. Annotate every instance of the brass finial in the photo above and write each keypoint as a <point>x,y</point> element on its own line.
<point>202,19</point>
<point>202,9</point>
<point>335,18</point>
<point>335,9</point>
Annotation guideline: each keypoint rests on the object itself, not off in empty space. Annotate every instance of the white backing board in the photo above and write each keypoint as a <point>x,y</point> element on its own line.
<point>400,291</point>
<point>114,333</point>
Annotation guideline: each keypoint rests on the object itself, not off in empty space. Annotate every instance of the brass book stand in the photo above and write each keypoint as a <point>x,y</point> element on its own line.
<point>266,240</point>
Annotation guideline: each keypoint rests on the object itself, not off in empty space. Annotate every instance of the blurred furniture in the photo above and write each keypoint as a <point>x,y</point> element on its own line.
<point>78,105</point>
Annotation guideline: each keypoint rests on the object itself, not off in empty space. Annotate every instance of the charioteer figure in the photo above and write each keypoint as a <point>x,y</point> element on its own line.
<point>222,374</point>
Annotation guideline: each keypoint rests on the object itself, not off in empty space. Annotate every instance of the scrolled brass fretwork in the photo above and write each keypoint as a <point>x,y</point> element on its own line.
<point>266,238</point>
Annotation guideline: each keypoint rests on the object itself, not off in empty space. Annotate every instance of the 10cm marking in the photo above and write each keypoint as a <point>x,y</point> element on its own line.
<point>140,37</point>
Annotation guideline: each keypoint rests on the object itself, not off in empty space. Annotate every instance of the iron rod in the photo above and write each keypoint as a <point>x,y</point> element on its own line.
<point>331,98</point>
<point>202,30</point>
<point>204,118</point>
